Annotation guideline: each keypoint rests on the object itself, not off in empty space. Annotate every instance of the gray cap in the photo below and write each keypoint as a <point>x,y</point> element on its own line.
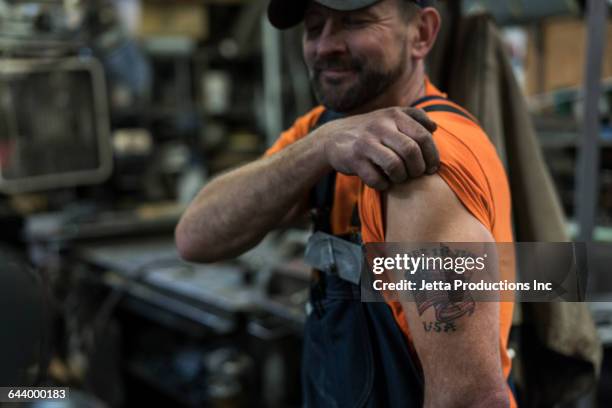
<point>287,13</point>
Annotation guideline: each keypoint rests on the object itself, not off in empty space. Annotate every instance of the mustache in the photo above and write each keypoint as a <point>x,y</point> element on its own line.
<point>337,63</point>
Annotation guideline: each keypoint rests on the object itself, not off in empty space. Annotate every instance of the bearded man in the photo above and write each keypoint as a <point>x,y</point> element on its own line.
<point>376,168</point>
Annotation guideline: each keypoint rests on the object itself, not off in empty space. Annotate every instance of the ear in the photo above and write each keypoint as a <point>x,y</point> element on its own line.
<point>427,26</point>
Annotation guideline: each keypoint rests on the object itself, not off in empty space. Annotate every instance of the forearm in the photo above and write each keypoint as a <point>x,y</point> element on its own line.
<point>468,399</point>
<point>460,357</point>
<point>484,399</point>
<point>235,211</point>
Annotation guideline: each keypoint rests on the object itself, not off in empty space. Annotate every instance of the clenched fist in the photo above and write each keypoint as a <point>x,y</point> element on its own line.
<point>382,147</point>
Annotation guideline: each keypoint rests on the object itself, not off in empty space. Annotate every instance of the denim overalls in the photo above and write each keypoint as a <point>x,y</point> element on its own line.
<point>355,354</point>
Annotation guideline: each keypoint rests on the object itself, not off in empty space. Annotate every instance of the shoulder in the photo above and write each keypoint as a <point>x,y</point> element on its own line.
<point>465,192</point>
<point>471,167</point>
<point>300,128</point>
<point>462,141</point>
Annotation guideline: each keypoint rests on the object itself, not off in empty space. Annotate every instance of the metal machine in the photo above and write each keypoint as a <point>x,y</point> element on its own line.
<point>54,124</point>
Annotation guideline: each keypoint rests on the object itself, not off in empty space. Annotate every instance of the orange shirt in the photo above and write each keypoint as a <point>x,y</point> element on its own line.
<point>469,164</point>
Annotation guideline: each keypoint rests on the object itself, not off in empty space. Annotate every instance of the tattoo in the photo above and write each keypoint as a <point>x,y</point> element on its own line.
<point>449,306</point>
<point>439,327</point>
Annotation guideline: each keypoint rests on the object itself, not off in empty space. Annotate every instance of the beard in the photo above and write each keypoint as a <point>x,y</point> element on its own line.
<point>368,83</point>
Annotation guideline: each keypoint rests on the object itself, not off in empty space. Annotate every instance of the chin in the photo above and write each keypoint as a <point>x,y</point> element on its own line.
<point>335,100</point>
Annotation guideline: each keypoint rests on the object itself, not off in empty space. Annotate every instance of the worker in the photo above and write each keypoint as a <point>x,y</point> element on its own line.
<point>376,168</point>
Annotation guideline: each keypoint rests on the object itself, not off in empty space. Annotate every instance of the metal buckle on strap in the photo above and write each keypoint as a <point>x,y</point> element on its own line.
<point>335,256</point>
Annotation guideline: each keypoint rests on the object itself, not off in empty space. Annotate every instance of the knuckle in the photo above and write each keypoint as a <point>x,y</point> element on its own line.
<point>371,128</point>
<point>373,141</point>
<point>361,146</point>
<point>411,149</point>
<point>414,156</point>
<point>414,137</point>
<point>394,165</point>
<point>406,149</point>
<point>397,112</point>
<point>408,125</point>
<point>412,112</point>
<point>420,114</point>
<point>421,135</point>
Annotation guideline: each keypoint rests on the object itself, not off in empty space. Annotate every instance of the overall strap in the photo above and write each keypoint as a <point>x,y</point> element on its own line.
<point>322,197</point>
<point>322,194</point>
<point>445,105</point>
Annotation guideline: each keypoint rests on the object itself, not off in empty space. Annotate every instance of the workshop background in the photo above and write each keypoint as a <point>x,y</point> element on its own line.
<point>113,114</point>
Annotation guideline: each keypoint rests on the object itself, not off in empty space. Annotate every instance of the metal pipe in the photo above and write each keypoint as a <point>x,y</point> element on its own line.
<point>587,171</point>
<point>273,98</point>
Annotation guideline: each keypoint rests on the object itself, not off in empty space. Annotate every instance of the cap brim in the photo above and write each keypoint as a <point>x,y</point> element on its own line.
<point>285,14</point>
<point>288,13</point>
<point>347,5</point>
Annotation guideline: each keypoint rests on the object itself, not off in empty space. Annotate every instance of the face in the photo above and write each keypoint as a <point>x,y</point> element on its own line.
<point>355,57</point>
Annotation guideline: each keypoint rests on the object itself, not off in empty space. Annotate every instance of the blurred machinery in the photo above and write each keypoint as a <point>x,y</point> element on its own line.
<point>98,142</point>
<point>54,125</point>
<point>521,11</point>
<point>103,136</point>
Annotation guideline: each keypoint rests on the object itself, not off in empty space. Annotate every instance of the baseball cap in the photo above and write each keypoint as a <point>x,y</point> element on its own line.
<point>287,13</point>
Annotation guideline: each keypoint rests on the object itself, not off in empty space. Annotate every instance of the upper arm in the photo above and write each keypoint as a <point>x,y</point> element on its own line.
<point>461,361</point>
<point>427,210</point>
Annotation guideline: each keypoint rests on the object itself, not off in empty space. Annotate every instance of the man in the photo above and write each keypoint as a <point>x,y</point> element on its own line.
<point>366,62</point>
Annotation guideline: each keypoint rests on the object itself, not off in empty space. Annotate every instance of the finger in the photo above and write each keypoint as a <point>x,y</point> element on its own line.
<point>423,138</point>
<point>414,160</point>
<point>372,176</point>
<point>407,150</point>
<point>420,116</point>
<point>391,164</point>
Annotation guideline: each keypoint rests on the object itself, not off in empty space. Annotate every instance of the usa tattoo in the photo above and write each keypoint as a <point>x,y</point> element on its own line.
<point>448,305</point>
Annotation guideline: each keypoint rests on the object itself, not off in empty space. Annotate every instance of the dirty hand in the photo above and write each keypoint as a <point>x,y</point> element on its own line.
<point>383,147</point>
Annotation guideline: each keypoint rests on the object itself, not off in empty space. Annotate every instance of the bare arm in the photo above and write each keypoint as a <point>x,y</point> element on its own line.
<point>461,362</point>
<point>235,211</point>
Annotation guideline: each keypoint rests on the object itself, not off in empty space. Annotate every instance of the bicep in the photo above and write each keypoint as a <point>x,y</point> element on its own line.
<point>457,342</point>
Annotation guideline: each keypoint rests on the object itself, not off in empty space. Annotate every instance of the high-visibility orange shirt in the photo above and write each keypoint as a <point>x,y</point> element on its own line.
<point>469,164</point>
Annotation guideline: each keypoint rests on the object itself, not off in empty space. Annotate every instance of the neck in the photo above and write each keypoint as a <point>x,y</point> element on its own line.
<point>408,88</point>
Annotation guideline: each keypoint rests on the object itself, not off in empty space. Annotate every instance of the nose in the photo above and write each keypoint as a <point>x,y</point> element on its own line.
<point>331,41</point>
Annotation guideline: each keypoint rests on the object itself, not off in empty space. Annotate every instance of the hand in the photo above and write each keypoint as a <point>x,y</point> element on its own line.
<point>382,147</point>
